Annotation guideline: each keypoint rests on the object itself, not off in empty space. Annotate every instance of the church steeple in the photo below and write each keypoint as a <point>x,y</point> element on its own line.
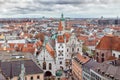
<point>60,27</point>
<point>62,17</point>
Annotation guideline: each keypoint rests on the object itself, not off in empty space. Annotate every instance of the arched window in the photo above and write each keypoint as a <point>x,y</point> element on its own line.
<point>102,59</point>
<point>38,77</point>
<point>31,78</point>
<point>37,53</point>
<point>50,66</point>
<point>97,54</point>
<point>102,54</point>
<point>97,59</point>
<point>44,65</point>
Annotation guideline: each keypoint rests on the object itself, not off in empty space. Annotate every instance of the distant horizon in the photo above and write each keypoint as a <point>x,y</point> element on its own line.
<point>40,17</point>
<point>53,8</point>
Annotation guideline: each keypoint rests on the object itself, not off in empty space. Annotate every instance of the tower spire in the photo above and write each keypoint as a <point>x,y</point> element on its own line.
<point>62,17</point>
<point>60,27</point>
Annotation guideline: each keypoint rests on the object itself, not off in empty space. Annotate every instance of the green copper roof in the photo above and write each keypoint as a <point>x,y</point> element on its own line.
<point>62,17</point>
<point>59,73</point>
<point>54,36</point>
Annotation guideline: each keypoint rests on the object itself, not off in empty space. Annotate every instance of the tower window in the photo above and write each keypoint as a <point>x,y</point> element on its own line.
<point>60,62</point>
<point>50,66</point>
<point>44,65</point>
<point>67,50</point>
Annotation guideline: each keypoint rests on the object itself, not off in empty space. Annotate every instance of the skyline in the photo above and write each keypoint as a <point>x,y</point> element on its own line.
<point>53,8</point>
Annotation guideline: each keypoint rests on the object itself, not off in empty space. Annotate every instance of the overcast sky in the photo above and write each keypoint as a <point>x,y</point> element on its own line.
<point>54,8</point>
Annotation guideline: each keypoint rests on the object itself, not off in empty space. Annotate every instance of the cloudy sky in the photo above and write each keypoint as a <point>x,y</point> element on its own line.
<point>53,8</point>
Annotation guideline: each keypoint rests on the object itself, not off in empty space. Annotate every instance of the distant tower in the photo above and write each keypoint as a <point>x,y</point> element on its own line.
<point>63,21</point>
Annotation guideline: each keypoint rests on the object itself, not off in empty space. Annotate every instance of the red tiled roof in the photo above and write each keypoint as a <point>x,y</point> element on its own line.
<point>109,42</point>
<point>60,27</point>
<point>83,38</point>
<point>50,50</point>
<point>90,43</point>
<point>28,49</point>
<point>83,59</point>
<point>67,35</point>
<point>7,49</point>
<point>60,39</point>
<point>20,47</point>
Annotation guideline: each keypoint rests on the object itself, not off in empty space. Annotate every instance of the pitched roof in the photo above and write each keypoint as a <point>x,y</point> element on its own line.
<point>83,38</point>
<point>60,39</point>
<point>50,50</point>
<point>91,64</point>
<point>81,58</point>
<point>111,68</point>
<point>67,35</point>
<point>109,42</point>
<point>12,68</point>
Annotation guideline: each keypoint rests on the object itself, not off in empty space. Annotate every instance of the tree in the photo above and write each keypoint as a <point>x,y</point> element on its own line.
<point>84,49</point>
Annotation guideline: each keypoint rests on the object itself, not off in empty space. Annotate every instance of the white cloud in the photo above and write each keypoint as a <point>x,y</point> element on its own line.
<point>72,8</point>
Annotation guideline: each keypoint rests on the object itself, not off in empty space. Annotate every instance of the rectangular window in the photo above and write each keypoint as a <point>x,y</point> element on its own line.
<point>67,50</point>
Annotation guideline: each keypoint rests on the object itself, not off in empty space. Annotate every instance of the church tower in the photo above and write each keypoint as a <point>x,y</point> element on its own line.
<point>61,27</point>
<point>63,21</point>
<point>60,45</point>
